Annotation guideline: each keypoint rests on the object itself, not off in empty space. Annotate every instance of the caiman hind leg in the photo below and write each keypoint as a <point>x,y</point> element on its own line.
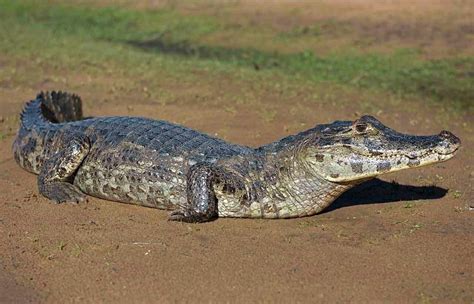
<point>64,158</point>
<point>201,200</point>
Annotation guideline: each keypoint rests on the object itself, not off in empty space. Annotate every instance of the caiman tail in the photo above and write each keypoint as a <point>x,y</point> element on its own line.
<point>40,120</point>
<point>52,107</point>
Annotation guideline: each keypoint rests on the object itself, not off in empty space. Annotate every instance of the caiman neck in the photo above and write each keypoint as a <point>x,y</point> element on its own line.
<point>277,185</point>
<point>294,189</point>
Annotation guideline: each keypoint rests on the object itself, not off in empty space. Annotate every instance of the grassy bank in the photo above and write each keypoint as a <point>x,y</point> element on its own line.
<point>166,39</point>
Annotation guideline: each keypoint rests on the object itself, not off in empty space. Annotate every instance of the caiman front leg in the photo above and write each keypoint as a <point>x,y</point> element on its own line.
<point>201,200</point>
<point>56,176</point>
<point>202,204</point>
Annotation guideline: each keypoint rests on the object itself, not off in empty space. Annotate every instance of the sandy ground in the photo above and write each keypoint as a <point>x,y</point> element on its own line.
<point>409,241</point>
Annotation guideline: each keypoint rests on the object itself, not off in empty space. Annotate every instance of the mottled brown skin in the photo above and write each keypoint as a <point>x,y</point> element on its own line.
<point>199,177</point>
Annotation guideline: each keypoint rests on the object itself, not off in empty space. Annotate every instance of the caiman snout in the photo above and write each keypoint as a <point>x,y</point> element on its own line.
<point>450,142</point>
<point>453,139</point>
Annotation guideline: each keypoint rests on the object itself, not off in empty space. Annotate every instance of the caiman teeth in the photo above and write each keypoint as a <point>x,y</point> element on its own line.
<point>385,155</point>
<point>412,156</point>
<point>448,153</point>
<point>395,155</point>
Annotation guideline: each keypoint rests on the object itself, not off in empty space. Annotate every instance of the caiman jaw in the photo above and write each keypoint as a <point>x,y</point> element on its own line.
<point>388,151</point>
<point>446,148</point>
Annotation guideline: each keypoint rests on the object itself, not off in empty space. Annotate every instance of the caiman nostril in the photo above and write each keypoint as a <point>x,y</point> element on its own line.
<point>450,136</point>
<point>446,134</point>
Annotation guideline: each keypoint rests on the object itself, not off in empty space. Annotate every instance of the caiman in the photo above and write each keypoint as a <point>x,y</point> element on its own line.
<point>198,177</point>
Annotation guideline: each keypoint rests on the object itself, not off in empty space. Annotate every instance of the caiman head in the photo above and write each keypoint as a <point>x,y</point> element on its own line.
<point>346,151</point>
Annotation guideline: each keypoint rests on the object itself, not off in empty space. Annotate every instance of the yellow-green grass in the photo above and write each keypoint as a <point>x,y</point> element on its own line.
<point>147,41</point>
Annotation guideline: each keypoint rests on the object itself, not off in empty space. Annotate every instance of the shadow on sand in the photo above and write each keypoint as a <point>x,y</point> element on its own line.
<point>377,191</point>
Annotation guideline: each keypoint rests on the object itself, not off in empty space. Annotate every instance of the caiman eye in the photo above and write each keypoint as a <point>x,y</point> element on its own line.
<point>361,127</point>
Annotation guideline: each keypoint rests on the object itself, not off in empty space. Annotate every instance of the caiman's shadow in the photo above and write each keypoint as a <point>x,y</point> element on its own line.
<point>377,191</point>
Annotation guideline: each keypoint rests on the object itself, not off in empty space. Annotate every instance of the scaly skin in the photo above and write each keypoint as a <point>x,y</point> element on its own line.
<point>199,177</point>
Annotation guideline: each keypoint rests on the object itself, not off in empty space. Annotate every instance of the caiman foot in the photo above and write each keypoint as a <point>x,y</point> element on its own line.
<point>190,217</point>
<point>61,192</point>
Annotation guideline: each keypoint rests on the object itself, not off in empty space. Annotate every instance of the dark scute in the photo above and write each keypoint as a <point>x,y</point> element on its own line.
<point>413,163</point>
<point>383,167</point>
<point>319,157</point>
<point>356,167</point>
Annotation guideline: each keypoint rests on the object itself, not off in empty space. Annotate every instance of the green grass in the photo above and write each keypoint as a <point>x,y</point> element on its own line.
<point>72,34</point>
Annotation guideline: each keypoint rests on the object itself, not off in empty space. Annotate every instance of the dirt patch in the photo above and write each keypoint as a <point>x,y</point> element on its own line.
<point>409,241</point>
<point>11,292</point>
